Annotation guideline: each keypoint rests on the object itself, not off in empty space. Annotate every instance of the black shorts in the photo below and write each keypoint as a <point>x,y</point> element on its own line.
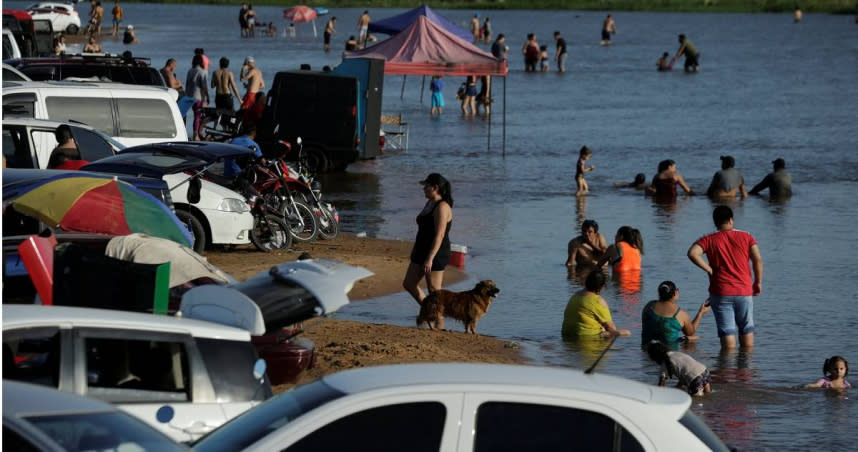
<point>606,36</point>
<point>327,38</point>
<point>224,101</point>
<point>691,60</point>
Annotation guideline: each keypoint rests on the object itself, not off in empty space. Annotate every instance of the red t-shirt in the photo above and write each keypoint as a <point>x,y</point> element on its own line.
<point>729,254</point>
<point>72,164</point>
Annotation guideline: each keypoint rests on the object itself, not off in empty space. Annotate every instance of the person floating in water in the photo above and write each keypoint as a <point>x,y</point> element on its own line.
<point>779,182</point>
<point>836,369</point>
<point>692,55</point>
<point>638,184</point>
<point>663,64</point>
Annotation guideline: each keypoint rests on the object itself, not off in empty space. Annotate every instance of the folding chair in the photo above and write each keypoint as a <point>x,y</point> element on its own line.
<point>395,132</point>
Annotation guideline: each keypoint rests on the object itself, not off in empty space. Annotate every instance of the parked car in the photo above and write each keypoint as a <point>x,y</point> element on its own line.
<point>34,37</point>
<point>36,418</point>
<point>27,142</point>
<point>131,114</point>
<point>63,16</point>
<point>219,216</point>
<point>104,68</point>
<point>465,407</point>
<point>10,50</point>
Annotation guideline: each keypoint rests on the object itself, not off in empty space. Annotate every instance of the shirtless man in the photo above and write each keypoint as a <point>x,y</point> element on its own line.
<point>224,84</point>
<point>252,77</point>
<point>92,46</point>
<point>608,28</point>
<point>169,74</point>
<point>475,28</point>
<point>98,15</point>
<point>329,31</point>
<point>587,248</point>
<point>363,27</point>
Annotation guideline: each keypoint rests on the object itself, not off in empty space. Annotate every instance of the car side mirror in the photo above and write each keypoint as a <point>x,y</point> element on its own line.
<point>195,185</point>
<point>259,368</point>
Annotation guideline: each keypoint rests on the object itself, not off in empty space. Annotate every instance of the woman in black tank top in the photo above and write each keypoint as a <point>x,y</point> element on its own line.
<point>431,251</point>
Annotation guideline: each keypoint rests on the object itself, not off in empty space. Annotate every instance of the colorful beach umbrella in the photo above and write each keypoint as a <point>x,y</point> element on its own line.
<point>100,205</point>
<point>300,13</point>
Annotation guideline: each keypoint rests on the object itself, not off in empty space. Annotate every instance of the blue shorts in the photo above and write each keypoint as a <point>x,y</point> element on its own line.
<point>437,99</point>
<point>734,314</point>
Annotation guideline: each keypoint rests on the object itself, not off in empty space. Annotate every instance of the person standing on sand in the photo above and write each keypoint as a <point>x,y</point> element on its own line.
<point>252,77</point>
<point>363,27</point>
<point>198,88</point>
<point>731,289</point>
<point>608,28</point>
<point>169,74</point>
<point>431,252</point>
<point>223,81</point>
<point>117,17</point>
<point>329,31</point>
<point>692,55</point>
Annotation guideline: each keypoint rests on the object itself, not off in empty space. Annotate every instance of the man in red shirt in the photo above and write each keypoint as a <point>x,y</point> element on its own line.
<point>731,255</point>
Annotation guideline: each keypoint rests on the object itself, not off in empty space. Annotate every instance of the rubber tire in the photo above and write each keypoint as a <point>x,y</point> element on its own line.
<point>262,243</point>
<point>298,234</point>
<point>72,29</point>
<point>317,161</point>
<point>333,229</point>
<point>197,229</point>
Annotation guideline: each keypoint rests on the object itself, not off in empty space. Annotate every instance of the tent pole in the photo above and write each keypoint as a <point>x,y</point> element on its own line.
<point>314,28</point>
<point>504,115</point>
<point>488,106</point>
<point>402,92</point>
<point>422,87</point>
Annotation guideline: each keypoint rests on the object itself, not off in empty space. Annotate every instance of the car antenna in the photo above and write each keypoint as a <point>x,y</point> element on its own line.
<point>601,355</point>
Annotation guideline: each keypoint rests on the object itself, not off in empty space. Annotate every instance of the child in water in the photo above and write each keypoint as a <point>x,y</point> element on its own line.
<point>835,369</point>
<point>543,58</point>
<point>692,375</point>
<point>663,64</point>
<point>583,155</point>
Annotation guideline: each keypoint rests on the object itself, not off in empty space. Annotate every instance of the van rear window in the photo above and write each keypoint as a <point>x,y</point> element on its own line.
<point>145,118</point>
<point>94,111</point>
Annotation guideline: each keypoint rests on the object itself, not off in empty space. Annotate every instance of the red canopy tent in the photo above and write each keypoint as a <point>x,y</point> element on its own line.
<point>425,48</point>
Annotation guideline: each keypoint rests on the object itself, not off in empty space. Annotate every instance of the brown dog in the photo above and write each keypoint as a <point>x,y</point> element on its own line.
<point>467,307</point>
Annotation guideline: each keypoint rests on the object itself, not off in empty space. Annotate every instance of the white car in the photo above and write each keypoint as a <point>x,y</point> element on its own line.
<point>36,418</point>
<point>63,16</point>
<point>468,407</point>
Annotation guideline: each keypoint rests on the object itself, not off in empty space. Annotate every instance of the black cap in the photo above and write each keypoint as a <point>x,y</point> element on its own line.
<point>779,163</point>
<point>434,179</point>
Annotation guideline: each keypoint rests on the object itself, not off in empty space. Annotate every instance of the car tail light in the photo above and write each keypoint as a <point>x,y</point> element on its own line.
<point>381,141</point>
<point>354,110</point>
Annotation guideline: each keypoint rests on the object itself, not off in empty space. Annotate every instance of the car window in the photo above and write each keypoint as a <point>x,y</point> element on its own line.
<point>15,150</point>
<point>414,427</point>
<point>90,144</point>
<point>503,426</point>
<point>132,370</point>
<point>19,105</point>
<point>93,111</point>
<point>32,355</point>
<point>102,431</point>
<point>145,118</point>
<point>230,368</point>
<point>14,441</point>
<point>44,142</point>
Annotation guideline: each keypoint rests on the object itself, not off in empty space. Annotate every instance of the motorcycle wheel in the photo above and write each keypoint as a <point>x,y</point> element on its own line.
<point>328,226</point>
<point>271,233</point>
<point>302,223</point>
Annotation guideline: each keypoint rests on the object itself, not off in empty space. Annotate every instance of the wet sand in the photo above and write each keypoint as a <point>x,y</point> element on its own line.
<point>344,344</point>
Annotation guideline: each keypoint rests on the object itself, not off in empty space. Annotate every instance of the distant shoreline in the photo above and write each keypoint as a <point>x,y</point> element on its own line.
<point>697,6</point>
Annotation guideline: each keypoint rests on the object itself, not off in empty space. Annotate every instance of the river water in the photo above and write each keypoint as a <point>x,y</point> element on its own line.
<point>768,88</point>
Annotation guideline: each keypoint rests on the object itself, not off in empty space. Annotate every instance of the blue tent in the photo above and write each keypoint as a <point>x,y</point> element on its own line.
<point>395,24</point>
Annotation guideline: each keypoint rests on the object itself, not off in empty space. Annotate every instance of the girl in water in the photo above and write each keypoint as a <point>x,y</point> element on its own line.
<point>625,253</point>
<point>583,155</point>
<point>835,369</point>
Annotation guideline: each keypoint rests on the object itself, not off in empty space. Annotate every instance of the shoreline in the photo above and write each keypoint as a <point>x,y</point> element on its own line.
<point>345,344</point>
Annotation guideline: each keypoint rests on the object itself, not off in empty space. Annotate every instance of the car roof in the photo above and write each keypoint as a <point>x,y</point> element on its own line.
<point>486,375</point>
<point>46,123</point>
<point>24,400</point>
<point>107,59</point>
<point>23,316</point>
<point>81,85</point>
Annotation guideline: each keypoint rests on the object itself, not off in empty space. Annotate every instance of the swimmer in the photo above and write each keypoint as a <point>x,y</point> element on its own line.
<point>587,248</point>
<point>836,369</point>
<point>638,184</point>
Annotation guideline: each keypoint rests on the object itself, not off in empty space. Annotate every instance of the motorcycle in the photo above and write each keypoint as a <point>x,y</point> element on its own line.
<point>270,232</point>
<point>298,178</point>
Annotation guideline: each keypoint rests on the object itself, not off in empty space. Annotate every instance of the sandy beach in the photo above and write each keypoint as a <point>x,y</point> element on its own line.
<point>344,344</point>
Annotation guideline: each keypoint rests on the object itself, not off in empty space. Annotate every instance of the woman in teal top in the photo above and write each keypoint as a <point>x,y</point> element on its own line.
<point>664,321</point>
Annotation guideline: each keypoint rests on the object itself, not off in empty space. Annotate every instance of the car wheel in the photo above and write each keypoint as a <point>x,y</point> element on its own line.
<point>196,228</point>
<point>72,29</point>
<point>317,161</point>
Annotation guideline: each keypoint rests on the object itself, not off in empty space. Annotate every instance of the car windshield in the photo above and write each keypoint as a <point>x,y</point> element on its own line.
<point>260,421</point>
<point>98,431</point>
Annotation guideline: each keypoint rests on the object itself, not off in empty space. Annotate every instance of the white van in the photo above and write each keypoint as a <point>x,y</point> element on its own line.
<point>131,114</point>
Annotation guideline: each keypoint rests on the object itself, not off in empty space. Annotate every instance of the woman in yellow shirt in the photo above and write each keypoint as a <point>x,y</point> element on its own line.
<point>587,313</point>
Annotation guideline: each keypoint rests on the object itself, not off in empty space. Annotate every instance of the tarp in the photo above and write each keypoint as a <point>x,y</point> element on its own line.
<point>395,24</point>
<point>426,48</point>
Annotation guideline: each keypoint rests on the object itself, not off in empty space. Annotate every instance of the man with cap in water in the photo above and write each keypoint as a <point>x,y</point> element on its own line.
<point>779,181</point>
<point>727,182</point>
<point>252,78</point>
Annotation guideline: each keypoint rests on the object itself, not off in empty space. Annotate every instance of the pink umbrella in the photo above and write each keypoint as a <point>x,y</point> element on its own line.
<point>301,13</point>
